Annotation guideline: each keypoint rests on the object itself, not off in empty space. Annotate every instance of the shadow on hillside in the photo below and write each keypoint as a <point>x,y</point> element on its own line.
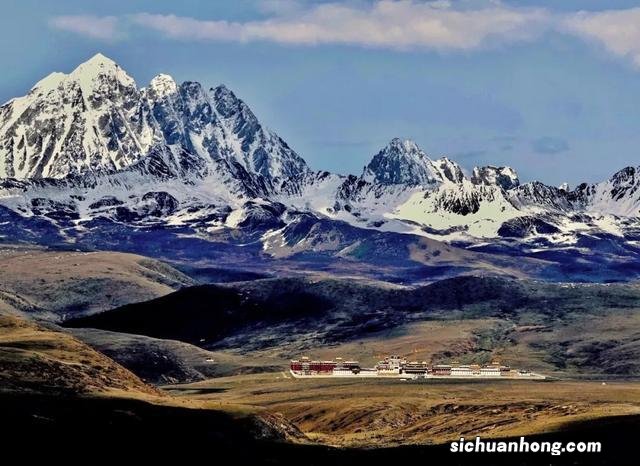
<point>89,429</point>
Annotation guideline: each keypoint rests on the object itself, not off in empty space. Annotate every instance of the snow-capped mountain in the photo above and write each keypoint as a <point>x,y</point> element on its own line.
<point>435,198</point>
<point>95,119</point>
<point>90,147</point>
<point>619,195</point>
<point>401,162</point>
<point>72,122</point>
<point>402,189</point>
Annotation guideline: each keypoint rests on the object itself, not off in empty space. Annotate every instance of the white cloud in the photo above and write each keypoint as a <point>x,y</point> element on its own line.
<point>617,30</point>
<point>399,24</point>
<point>390,24</point>
<point>94,27</point>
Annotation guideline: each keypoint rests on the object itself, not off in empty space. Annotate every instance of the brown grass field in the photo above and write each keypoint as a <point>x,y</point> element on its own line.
<point>377,413</point>
<point>39,359</point>
<point>336,412</point>
<point>43,359</point>
<point>367,413</point>
<point>49,284</point>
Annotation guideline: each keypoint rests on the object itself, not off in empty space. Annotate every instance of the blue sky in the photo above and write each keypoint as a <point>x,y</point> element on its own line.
<point>550,88</point>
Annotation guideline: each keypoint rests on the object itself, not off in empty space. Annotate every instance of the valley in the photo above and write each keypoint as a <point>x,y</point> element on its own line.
<point>149,360</point>
<point>566,330</point>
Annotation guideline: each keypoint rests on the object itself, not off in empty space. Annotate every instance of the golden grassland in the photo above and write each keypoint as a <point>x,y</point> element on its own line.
<point>344,412</point>
<point>373,412</point>
<point>36,358</point>
<point>40,358</point>
<point>339,412</point>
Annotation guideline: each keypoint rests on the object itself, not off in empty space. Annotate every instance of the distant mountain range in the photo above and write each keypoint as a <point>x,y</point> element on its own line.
<point>89,160</point>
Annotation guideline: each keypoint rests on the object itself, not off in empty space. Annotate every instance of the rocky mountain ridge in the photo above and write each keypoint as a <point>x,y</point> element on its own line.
<point>90,147</point>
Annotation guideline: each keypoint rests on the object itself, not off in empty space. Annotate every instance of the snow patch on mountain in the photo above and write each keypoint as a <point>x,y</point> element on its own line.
<point>448,170</point>
<point>505,177</point>
<point>619,195</point>
<point>162,86</point>
<point>478,211</point>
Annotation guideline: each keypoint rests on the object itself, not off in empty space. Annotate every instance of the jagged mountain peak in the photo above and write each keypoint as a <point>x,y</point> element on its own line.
<point>98,70</point>
<point>228,104</point>
<point>619,195</point>
<point>69,123</point>
<point>95,119</point>
<point>85,74</point>
<point>97,64</point>
<point>260,150</point>
<point>89,76</point>
<point>402,145</point>
<point>625,176</point>
<point>401,162</point>
<point>221,89</point>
